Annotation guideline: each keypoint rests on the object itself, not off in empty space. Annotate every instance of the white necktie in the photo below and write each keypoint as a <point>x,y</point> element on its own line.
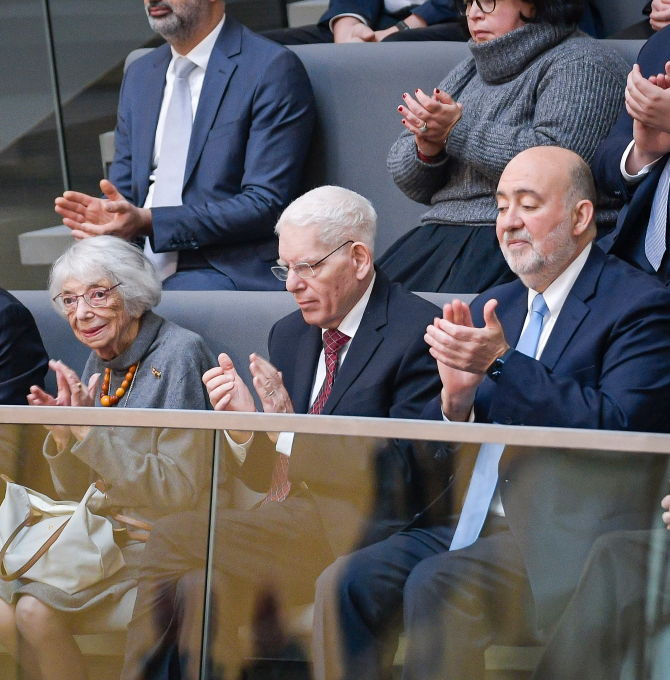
<point>655,239</point>
<point>485,473</point>
<point>172,162</point>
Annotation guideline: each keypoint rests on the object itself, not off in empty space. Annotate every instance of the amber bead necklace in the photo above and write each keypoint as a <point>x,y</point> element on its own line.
<point>112,400</point>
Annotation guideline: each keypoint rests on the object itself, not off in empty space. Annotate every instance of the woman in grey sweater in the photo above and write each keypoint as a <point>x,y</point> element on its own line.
<point>106,288</point>
<point>532,80</point>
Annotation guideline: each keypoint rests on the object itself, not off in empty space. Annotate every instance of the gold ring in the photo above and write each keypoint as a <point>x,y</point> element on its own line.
<point>78,385</point>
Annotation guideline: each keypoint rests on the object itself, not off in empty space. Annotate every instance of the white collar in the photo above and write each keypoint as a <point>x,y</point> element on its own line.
<point>201,53</point>
<point>349,325</point>
<point>558,290</point>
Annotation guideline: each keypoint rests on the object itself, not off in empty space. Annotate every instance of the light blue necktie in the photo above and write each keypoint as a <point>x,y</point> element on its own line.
<point>485,473</point>
<point>655,239</point>
<point>172,161</point>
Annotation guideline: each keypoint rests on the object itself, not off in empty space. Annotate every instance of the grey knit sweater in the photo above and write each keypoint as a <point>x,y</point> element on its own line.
<point>537,85</point>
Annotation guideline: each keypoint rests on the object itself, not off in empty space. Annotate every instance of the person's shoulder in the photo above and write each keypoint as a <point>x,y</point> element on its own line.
<point>138,67</point>
<point>182,344</point>
<point>656,49</point>
<point>289,325</point>
<point>632,287</point>
<point>404,303</point>
<point>13,310</point>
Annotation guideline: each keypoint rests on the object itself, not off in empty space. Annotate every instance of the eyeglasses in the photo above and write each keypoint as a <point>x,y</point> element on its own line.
<point>96,297</point>
<point>302,269</point>
<point>486,6</point>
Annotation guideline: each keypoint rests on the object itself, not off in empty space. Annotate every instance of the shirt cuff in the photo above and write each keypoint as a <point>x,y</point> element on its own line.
<point>471,417</point>
<point>634,179</point>
<point>285,443</point>
<point>239,450</point>
<point>339,16</point>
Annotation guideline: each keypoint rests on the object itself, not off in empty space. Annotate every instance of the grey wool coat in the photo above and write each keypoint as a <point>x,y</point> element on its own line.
<point>148,472</point>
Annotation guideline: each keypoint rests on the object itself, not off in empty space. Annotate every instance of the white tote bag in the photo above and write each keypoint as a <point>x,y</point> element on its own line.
<point>61,543</point>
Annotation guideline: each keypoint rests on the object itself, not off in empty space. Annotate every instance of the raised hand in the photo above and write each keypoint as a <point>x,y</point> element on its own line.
<point>439,113</point>
<point>90,216</point>
<point>665,504</point>
<point>269,386</point>
<point>226,390</point>
<point>660,14</point>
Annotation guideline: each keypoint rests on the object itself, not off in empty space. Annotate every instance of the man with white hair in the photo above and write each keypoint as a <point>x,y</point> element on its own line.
<point>582,340</point>
<point>212,134</point>
<point>354,348</point>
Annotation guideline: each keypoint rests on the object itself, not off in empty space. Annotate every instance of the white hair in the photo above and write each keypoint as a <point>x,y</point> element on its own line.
<point>108,257</point>
<point>338,213</point>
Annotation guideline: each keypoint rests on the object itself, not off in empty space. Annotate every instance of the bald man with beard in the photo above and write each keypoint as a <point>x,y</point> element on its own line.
<point>581,340</point>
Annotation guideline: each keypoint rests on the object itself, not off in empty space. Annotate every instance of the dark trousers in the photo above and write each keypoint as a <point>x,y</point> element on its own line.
<point>605,620</point>
<point>273,551</point>
<point>453,604</point>
<point>206,278</point>
<point>317,33</point>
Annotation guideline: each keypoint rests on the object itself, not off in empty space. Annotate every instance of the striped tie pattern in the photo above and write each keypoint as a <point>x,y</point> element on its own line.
<point>655,240</point>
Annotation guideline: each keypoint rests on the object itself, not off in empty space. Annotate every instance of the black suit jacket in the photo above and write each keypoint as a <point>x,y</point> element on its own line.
<point>23,359</point>
<point>627,239</point>
<point>387,372</point>
<point>431,11</point>
<point>603,367</point>
<point>250,137</point>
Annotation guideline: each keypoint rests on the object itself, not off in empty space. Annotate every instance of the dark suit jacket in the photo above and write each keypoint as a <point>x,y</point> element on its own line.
<point>387,372</point>
<point>627,239</point>
<point>23,359</point>
<point>432,12</point>
<point>250,137</point>
<point>603,367</point>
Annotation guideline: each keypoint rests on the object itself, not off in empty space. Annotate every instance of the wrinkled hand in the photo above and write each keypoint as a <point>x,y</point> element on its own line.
<point>226,390</point>
<point>115,216</point>
<point>71,392</point>
<point>269,385</point>
<point>665,504</point>
<point>439,112</point>
<point>350,29</point>
<point>660,14</point>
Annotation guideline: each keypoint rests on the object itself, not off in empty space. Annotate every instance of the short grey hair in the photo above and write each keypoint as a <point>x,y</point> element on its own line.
<point>109,257</point>
<point>339,214</point>
<point>582,187</point>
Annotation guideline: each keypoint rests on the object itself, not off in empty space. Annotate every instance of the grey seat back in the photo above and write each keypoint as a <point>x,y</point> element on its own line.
<point>235,322</point>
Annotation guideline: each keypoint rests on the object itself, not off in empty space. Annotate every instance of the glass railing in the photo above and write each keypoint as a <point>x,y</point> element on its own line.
<point>173,563</point>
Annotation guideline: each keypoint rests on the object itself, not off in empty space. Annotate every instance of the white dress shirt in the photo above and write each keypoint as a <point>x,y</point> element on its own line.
<point>555,296</point>
<point>199,55</point>
<point>348,326</point>
<point>634,179</point>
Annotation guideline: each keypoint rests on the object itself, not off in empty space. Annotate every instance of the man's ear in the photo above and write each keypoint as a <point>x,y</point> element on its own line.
<point>582,216</point>
<point>363,258</point>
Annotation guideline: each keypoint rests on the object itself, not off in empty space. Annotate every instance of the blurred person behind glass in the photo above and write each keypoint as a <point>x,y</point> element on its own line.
<point>106,289</point>
<point>509,95</point>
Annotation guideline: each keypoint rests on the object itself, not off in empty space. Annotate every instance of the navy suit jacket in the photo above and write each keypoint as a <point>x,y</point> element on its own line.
<point>432,12</point>
<point>603,367</point>
<point>626,240</point>
<point>387,373</point>
<point>249,142</point>
<point>23,359</point>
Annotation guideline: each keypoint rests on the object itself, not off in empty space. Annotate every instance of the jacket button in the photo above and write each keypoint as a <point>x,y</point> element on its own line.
<point>508,421</point>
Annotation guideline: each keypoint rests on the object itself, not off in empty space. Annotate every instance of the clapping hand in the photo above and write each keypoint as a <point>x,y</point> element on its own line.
<point>90,216</point>
<point>226,390</point>
<point>665,504</point>
<point>464,353</point>
<point>430,119</point>
<point>71,392</point>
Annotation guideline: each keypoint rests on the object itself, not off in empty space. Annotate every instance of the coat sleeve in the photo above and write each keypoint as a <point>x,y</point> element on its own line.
<point>282,118</point>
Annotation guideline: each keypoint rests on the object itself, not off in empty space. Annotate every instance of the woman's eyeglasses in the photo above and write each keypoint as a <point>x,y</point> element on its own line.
<point>486,6</point>
<point>96,297</point>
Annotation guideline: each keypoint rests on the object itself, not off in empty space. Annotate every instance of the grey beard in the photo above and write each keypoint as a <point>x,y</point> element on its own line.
<point>178,27</point>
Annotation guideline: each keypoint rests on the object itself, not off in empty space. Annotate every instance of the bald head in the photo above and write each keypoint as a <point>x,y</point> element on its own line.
<point>546,202</point>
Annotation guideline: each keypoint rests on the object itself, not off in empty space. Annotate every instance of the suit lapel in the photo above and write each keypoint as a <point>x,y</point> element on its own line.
<point>364,344</point>
<point>574,308</point>
<point>307,357</point>
<point>513,315</point>
<point>146,118</point>
<point>220,69</point>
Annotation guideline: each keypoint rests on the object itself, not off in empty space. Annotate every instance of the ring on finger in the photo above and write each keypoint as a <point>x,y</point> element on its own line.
<point>270,393</point>
<point>424,128</point>
<point>78,385</point>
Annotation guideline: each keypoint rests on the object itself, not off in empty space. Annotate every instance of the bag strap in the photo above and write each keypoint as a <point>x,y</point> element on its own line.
<point>32,518</point>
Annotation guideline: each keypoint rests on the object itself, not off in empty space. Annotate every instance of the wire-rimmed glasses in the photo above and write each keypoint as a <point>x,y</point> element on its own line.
<point>302,269</point>
<point>95,297</point>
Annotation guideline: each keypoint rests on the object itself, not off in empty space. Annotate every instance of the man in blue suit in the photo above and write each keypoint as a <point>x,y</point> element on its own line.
<point>579,341</point>
<point>213,130</point>
<point>630,163</point>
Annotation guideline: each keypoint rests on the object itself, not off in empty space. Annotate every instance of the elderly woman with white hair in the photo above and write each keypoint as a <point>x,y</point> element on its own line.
<point>106,289</point>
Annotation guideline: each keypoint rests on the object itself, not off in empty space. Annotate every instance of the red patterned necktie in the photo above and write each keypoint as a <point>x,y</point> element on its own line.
<point>333,341</point>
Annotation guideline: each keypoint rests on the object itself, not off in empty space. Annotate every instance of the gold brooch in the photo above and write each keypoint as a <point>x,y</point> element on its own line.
<point>156,372</point>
